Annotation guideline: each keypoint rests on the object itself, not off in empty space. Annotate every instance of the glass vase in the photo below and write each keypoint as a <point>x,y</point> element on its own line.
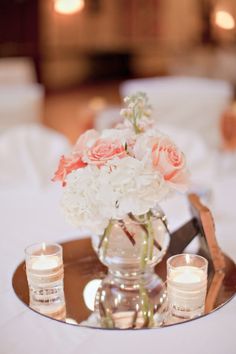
<point>132,295</point>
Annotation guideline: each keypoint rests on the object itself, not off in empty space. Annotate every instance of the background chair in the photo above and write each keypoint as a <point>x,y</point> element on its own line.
<point>20,104</point>
<point>193,103</point>
<point>17,71</point>
<point>21,97</point>
<point>29,156</point>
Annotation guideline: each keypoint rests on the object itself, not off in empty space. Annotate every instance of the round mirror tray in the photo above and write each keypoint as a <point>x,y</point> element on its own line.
<point>83,274</point>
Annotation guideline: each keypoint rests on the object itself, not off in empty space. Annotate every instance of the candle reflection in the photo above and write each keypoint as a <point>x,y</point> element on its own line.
<point>130,305</point>
<point>89,293</point>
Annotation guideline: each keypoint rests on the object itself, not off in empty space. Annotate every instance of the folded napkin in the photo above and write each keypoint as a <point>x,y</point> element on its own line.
<point>29,155</point>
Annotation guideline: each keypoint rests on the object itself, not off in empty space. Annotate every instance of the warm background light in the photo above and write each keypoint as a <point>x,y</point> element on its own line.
<point>224,20</point>
<point>68,7</point>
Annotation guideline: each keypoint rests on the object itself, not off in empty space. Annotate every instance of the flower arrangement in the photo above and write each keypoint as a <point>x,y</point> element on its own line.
<point>120,171</point>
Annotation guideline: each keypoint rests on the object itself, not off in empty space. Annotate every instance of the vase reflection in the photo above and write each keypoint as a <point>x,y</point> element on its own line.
<point>131,303</point>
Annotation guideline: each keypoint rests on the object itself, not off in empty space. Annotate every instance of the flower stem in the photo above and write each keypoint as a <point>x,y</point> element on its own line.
<point>126,231</point>
<point>150,235</point>
<point>144,255</point>
<point>146,307</point>
<point>103,244</point>
<point>135,119</point>
<point>106,317</point>
<point>148,230</point>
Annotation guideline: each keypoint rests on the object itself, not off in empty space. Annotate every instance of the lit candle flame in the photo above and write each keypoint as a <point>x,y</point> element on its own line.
<point>187,258</point>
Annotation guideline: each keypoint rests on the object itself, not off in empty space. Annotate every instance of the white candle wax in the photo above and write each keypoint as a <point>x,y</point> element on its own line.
<point>45,262</point>
<point>186,285</point>
<point>187,275</point>
<point>187,290</point>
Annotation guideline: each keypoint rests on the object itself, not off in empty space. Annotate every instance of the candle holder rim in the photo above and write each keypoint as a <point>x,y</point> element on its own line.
<point>59,250</point>
<point>191,255</point>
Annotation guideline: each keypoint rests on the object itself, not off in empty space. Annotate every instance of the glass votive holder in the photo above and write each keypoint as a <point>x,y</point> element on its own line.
<point>186,285</point>
<point>44,269</point>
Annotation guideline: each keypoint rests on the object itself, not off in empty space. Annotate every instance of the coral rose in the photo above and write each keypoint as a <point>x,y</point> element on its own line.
<point>104,150</point>
<point>170,162</point>
<point>66,166</point>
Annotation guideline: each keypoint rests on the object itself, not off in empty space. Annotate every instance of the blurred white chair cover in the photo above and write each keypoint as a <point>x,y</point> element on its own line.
<point>17,71</point>
<point>107,118</point>
<point>193,103</point>
<point>20,104</point>
<point>29,156</point>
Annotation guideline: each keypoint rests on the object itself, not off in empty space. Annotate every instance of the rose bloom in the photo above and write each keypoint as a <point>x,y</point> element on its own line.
<point>170,162</point>
<point>85,142</point>
<point>104,150</point>
<point>66,166</point>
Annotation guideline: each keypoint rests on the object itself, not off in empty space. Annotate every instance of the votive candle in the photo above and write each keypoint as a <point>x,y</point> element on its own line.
<point>186,285</point>
<point>44,269</point>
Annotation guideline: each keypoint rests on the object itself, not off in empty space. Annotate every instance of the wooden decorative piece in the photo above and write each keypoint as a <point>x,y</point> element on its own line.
<point>207,230</point>
<point>202,225</point>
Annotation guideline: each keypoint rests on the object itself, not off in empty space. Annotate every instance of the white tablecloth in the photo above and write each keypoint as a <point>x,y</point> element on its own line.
<point>32,215</point>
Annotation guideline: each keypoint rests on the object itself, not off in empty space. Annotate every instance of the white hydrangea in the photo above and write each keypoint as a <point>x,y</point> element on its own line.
<point>81,200</point>
<point>93,196</point>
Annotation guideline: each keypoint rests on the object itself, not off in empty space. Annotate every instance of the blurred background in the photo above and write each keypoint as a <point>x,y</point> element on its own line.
<point>62,61</point>
<point>65,66</point>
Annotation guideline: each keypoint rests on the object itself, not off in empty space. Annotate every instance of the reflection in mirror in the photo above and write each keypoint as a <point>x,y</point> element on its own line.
<point>135,305</point>
<point>213,290</point>
<point>71,321</point>
<point>56,310</point>
<point>89,293</point>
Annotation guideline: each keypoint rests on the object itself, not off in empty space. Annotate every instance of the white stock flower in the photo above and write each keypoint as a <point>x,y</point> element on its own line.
<point>123,135</point>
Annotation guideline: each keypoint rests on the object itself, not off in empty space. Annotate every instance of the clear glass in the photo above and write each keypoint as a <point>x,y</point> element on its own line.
<point>132,295</point>
<point>131,303</point>
<point>44,269</point>
<point>186,285</point>
<point>134,244</point>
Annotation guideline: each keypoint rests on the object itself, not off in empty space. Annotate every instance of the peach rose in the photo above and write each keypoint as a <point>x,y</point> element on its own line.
<point>66,166</point>
<point>104,150</point>
<point>85,142</point>
<point>170,162</point>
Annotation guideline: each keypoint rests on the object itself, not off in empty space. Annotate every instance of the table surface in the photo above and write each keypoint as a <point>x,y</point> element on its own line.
<point>33,215</point>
